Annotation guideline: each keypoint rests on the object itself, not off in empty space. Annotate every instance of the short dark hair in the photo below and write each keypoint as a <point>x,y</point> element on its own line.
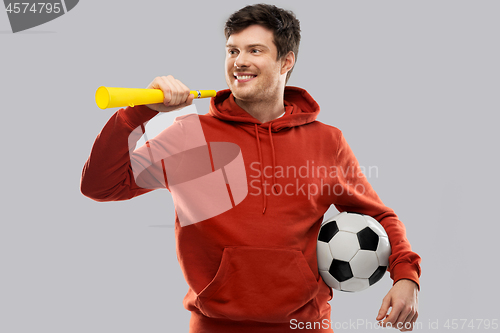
<point>283,24</point>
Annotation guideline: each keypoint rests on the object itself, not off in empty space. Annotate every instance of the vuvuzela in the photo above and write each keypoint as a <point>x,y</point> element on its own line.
<point>110,97</point>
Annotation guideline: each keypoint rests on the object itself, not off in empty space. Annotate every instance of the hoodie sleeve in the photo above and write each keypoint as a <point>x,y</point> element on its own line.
<point>108,174</point>
<point>358,196</point>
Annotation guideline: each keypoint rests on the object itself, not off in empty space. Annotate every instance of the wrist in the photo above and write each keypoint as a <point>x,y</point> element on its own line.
<point>409,282</point>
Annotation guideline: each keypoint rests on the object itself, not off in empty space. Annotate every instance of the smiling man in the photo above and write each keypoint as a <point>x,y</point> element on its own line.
<point>253,268</point>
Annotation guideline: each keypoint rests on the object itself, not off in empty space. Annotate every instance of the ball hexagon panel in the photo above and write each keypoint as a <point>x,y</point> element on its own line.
<point>350,222</point>
<point>324,256</point>
<point>364,263</point>
<point>344,246</point>
<point>328,230</point>
<point>368,239</point>
<point>354,284</point>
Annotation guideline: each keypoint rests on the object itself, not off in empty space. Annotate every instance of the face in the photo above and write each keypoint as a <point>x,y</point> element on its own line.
<point>252,72</point>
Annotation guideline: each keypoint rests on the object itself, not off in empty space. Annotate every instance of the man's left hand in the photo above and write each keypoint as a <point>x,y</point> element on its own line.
<point>403,301</point>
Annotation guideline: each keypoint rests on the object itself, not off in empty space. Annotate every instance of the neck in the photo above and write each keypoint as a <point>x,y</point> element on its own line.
<point>263,110</point>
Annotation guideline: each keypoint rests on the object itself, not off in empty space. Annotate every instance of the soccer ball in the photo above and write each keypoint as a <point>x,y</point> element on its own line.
<point>353,251</point>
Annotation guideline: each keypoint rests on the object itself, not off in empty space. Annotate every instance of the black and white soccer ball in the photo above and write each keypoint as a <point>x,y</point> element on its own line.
<point>353,251</point>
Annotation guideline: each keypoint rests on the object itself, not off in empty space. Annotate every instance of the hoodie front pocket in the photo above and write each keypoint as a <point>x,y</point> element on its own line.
<point>261,284</point>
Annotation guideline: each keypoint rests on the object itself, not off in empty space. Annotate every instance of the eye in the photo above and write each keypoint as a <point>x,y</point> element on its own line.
<point>232,52</point>
<point>255,51</point>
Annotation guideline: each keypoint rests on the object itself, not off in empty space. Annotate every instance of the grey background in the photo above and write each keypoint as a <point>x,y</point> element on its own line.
<point>413,85</point>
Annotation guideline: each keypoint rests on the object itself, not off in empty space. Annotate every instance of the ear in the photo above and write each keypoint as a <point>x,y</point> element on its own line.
<point>287,62</point>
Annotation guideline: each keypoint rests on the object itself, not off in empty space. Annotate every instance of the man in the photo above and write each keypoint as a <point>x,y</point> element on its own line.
<point>253,268</point>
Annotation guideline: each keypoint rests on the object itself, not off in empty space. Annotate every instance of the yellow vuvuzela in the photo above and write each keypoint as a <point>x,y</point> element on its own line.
<point>109,97</point>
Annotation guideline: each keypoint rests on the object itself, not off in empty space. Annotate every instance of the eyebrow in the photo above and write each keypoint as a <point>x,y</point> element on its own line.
<point>249,46</point>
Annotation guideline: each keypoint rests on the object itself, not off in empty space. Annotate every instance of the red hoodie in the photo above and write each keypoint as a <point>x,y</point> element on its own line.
<point>251,266</point>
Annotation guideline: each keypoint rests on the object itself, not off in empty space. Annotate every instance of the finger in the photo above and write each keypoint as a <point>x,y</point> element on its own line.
<point>410,322</point>
<point>185,91</point>
<point>414,319</point>
<point>177,91</point>
<point>393,316</point>
<point>190,99</point>
<point>403,323</point>
<point>154,84</point>
<point>386,303</point>
<point>169,90</point>
<point>161,83</point>
<point>170,81</point>
<point>405,318</point>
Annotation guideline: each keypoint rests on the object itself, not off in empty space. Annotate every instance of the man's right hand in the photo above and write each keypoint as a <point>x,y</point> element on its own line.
<point>176,94</point>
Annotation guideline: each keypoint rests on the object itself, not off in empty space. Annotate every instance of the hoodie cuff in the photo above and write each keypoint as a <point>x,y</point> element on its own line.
<point>137,115</point>
<point>405,271</point>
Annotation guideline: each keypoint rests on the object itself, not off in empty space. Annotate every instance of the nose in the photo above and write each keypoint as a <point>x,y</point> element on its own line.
<point>241,60</point>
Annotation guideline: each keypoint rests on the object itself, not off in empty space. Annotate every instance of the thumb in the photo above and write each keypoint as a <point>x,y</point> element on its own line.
<point>384,308</point>
<point>190,99</point>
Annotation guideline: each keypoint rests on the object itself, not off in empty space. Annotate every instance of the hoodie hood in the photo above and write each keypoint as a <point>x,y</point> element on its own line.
<point>300,109</point>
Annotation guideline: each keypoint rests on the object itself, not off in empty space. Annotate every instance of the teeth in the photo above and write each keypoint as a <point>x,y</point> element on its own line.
<point>244,77</point>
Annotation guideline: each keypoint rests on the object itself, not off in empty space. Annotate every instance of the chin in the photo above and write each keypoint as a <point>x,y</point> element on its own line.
<point>239,92</point>
<point>244,95</point>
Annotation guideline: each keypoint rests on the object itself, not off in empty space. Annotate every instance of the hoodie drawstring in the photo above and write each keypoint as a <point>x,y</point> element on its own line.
<point>274,159</point>
<point>264,202</point>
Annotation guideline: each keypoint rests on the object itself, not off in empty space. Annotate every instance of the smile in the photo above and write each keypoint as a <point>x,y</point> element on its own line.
<point>243,78</point>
